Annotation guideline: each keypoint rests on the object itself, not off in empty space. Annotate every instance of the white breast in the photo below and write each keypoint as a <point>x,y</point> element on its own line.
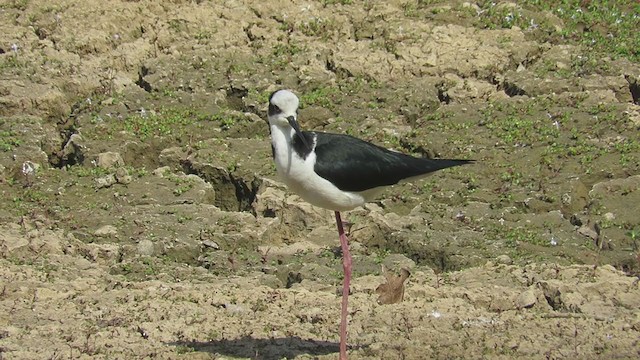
<point>298,174</point>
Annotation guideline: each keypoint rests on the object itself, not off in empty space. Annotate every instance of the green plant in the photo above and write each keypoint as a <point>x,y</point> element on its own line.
<point>8,140</point>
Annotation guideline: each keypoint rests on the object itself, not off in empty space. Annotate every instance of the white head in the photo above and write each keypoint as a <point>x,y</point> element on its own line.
<point>282,105</point>
<point>283,111</point>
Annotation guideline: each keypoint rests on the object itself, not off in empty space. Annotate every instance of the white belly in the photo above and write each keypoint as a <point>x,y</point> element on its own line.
<point>298,175</point>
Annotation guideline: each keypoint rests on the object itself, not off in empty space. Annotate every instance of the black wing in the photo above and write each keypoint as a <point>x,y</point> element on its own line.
<point>356,165</point>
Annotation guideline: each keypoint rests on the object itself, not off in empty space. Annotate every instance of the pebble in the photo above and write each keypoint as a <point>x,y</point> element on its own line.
<point>526,299</point>
<point>105,181</point>
<point>109,160</point>
<point>159,172</point>
<point>504,259</point>
<point>122,176</point>
<point>588,232</point>
<point>106,231</point>
<point>145,248</point>
<point>211,244</point>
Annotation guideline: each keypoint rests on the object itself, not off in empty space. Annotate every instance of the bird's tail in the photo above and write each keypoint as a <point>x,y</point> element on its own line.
<point>431,165</point>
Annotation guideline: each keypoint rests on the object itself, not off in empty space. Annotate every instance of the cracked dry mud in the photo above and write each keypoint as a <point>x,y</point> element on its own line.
<point>141,216</point>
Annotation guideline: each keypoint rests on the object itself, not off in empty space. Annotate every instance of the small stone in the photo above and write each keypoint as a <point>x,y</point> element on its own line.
<point>110,160</point>
<point>572,301</point>
<point>122,176</point>
<point>211,244</point>
<point>609,216</point>
<point>106,181</point>
<point>74,147</point>
<point>526,299</point>
<point>145,248</point>
<point>588,232</point>
<point>159,172</point>
<point>504,259</point>
<point>106,231</point>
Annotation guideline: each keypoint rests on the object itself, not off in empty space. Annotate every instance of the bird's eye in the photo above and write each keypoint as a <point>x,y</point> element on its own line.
<point>274,110</point>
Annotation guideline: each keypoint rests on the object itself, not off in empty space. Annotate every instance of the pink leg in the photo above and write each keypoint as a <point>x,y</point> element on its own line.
<point>346,265</point>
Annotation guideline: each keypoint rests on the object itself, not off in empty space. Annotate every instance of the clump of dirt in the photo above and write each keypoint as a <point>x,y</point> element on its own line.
<point>139,200</point>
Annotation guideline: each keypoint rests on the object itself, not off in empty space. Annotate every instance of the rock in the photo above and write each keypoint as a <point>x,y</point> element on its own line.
<point>504,259</point>
<point>270,280</point>
<point>122,176</point>
<point>551,290</point>
<point>73,151</point>
<point>526,299</point>
<point>500,303</point>
<point>572,301</point>
<point>211,244</point>
<point>159,172</point>
<point>145,248</point>
<point>106,231</point>
<point>172,156</point>
<point>11,240</point>
<point>588,232</point>
<point>106,181</point>
<point>609,216</point>
<point>110,160</point>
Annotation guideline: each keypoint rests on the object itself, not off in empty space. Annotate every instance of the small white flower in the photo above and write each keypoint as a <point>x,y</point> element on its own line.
<point>14,47</point>
<point>436,314</point>
<point>553,241</point>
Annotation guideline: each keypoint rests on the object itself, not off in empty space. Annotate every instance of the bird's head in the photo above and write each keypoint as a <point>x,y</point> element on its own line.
<point>283,112</point>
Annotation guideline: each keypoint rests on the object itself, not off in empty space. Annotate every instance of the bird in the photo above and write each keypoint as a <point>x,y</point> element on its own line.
<point>337,172</point>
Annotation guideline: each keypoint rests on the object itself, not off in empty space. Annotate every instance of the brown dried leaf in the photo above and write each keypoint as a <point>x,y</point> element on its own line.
<point>392,291</point>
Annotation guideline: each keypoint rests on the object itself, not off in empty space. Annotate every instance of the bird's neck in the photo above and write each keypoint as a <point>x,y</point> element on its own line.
<point>282,138</point>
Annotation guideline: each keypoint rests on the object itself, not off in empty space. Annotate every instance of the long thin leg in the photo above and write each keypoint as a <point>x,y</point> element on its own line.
<point>346,265</point>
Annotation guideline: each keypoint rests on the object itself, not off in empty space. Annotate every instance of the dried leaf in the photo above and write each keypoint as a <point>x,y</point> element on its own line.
<point>392,291</point>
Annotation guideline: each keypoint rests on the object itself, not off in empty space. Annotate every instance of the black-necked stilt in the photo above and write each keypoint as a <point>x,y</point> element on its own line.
<point>337,172</point>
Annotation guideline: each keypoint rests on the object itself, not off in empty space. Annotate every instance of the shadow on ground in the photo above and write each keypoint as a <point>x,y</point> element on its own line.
<point>276,348</point>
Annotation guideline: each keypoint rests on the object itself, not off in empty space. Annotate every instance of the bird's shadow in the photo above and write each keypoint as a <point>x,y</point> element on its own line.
<point>273,348</point>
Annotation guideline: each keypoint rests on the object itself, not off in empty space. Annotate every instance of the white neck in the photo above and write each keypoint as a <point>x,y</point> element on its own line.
<point>282,141</point>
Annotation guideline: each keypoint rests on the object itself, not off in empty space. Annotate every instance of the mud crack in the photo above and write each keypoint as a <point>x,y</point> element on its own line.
<point>71,151</point>
<point>233,193</point>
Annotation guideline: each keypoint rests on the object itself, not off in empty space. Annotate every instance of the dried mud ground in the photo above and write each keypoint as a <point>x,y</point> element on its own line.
<point>140,215</point>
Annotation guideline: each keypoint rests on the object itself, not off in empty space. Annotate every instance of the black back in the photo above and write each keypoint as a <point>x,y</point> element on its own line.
<point>356,165</point>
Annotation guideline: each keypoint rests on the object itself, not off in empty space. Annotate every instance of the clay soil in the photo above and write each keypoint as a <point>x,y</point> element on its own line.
<point>141,217</point>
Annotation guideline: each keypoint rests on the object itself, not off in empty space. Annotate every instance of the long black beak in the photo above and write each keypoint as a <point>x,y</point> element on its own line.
<point>294,124</point>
